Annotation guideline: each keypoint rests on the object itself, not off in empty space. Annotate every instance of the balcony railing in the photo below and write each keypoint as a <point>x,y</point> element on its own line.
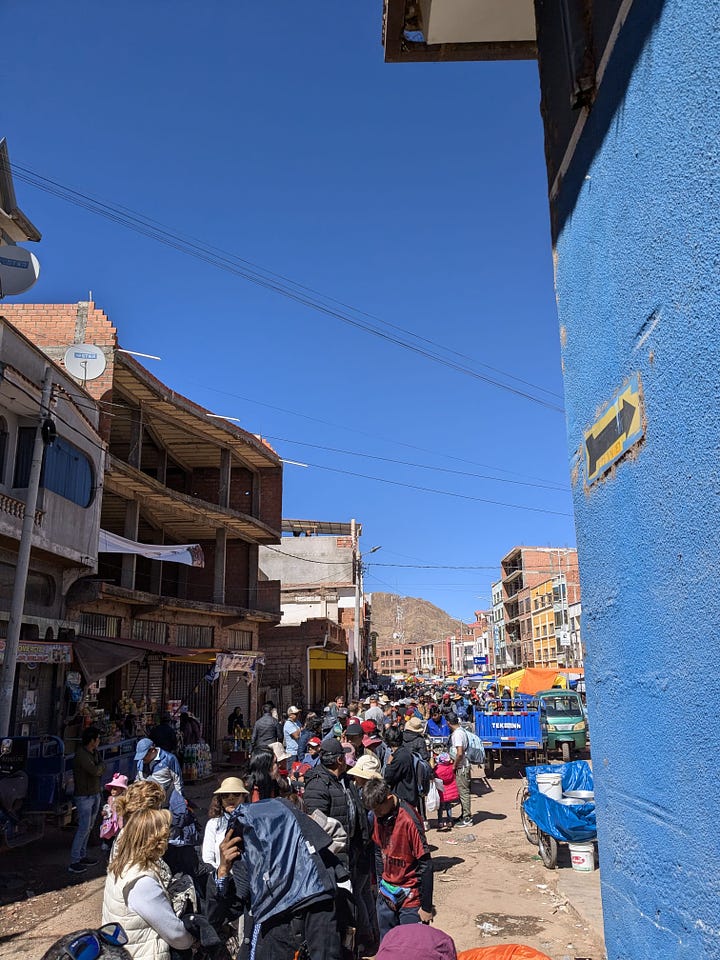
<point>16,508</point>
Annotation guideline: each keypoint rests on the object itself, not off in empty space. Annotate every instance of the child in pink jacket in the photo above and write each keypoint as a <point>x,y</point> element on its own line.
<point>445,771</point>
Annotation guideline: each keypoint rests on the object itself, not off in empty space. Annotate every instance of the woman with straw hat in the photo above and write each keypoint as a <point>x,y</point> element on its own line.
<point>225,799</point>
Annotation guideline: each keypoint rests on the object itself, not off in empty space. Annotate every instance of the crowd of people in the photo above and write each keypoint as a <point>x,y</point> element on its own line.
<point>319,850</point>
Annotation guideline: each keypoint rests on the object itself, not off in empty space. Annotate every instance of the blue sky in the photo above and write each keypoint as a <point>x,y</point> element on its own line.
<point>415,193</point>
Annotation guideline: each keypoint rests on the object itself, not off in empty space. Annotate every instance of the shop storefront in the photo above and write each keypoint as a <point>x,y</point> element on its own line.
<point>327,675</point>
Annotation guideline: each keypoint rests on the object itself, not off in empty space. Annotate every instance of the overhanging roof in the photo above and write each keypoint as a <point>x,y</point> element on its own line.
<point>190,435</point>
<point>437,30</point>
<point>12,220</point>
<point>327,527</point>
<point>183,517</point>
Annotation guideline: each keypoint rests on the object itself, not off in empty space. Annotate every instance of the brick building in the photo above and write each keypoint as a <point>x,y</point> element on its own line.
<point>522,570</point>
<point>173,475</point>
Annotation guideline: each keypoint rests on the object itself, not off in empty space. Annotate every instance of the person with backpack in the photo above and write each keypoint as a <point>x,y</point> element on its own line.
<point>405,771</point>
<point>403,864</point>
<point>459,745</point>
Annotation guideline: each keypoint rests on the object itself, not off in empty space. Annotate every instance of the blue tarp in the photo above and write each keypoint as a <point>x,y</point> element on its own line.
<point>569,824</point>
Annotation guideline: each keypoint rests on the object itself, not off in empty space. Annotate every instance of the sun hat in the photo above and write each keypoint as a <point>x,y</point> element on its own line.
<point>118,780</point>
<point>367,767</point>
<point>142,748</point>
<point>279,750</point>
<point>231,785</point>
<point>384,699</point>
<point>415,725</point>
<point>291,711</point>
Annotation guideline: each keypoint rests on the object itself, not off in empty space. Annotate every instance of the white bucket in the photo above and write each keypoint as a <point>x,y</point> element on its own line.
<point>550,784</point>
<point>582,857</point>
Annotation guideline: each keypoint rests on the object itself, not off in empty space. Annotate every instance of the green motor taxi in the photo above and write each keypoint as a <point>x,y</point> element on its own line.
<point>563,722</point>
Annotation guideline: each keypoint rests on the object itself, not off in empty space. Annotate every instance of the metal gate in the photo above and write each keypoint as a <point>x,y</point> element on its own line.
<point>186,682</point>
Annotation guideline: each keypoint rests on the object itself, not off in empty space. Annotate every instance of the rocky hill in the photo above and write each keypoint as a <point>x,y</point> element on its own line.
<point>417,619</point>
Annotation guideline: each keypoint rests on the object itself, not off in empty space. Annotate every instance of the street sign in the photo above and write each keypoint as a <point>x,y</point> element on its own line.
<point>479,661</point>
<point>619,427</point>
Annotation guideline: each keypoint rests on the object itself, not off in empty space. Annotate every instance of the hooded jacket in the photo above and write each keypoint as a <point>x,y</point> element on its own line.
<point>415,743</point>
<point>288,877</point>
<point>325,792</point>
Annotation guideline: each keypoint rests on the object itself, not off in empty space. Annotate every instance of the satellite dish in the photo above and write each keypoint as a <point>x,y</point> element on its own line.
<point>85,361</point>
<point>19,269</point>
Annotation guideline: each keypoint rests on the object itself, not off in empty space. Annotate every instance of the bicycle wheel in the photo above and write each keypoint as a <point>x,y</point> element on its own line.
<point>528,825</point>
<point>547,848</point>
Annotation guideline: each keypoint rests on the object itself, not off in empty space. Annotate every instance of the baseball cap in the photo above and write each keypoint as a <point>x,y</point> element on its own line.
<point>314,742</point>
<point>330,747</point>
<point>368,727</point>
<point>354,730</point>
<point>292,710</point>
<point>142,748</point>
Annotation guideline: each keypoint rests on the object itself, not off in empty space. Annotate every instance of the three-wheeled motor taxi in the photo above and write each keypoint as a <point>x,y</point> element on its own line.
<point>563,721</point>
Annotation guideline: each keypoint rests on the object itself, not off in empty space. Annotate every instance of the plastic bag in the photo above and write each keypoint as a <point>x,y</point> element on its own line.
<point>432,800</point>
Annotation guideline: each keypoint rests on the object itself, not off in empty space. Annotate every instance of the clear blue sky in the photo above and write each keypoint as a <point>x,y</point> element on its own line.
<point>416,193</point>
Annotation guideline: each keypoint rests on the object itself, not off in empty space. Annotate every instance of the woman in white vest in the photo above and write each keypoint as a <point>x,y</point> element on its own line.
<point>136,888</point>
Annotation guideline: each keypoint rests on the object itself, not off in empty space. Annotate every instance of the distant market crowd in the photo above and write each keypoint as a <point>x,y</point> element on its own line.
<point>319,850</point>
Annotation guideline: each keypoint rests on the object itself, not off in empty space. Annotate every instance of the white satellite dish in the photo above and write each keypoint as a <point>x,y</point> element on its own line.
<point>85,361</point>
<point>19,269</point>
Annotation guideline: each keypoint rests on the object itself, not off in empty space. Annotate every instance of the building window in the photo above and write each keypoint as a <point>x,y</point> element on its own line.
<point>66,470</point>
<point>154,631</point>
<point>241,639</point>
<point>193,635</point>
<point>100,625</point>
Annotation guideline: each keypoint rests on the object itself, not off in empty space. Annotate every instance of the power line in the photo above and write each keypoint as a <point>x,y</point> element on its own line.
<point>444,493</point>
<point>363,433</point>
<point>262,277</point>
<point>420,466</point>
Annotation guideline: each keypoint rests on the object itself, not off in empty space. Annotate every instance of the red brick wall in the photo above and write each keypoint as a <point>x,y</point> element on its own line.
<point>271,498</point>
<point>55,327</point>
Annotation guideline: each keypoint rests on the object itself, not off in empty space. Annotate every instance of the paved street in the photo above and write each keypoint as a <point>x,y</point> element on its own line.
<point>490,887</point>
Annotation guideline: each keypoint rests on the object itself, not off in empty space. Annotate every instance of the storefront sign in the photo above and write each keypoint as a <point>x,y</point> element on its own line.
<point>236,662</point>
<point>29,652</point>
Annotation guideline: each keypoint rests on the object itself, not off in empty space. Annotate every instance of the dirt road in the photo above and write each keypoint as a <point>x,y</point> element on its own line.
<point>490,887</point>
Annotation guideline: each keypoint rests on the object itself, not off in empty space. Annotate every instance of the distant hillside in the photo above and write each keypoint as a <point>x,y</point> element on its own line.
<point>420,620</point>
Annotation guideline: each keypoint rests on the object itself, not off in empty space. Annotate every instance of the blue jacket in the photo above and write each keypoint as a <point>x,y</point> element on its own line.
<point>284,869</point>
<point>441,729</point>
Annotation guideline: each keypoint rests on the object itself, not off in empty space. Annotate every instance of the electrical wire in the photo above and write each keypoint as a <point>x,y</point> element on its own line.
<point>420,466</point>
<point>261,277</point>
<point>444,493</point>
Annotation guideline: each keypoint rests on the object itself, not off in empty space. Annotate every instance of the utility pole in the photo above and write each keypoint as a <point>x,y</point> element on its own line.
<point>356,622</point>
<point>7,678</point>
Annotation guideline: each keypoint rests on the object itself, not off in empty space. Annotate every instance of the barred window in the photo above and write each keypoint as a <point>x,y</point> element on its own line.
<point>241,639</point>
<point>100,625</point>
<point>194,635</point>
<point>154,631</point>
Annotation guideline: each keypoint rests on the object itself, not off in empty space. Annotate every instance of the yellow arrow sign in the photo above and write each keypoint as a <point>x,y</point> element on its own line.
<point>618,428</point>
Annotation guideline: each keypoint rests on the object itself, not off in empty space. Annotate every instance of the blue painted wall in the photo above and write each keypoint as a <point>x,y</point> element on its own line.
<point>638,285</point>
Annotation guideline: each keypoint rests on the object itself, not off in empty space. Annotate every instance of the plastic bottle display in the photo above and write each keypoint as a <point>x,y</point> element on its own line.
<point>197,762</point>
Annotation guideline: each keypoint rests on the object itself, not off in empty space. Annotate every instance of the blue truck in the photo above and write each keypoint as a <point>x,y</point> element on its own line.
<point>511,729</point>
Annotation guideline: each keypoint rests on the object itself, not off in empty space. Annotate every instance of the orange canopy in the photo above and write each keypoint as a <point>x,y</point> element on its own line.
<point>503,951</point>
<point>539,678</point>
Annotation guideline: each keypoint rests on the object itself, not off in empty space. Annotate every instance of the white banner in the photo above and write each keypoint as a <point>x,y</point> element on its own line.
<point>190,554</point>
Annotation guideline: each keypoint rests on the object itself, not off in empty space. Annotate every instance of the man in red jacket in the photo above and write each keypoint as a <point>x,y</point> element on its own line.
<point>404,867</point>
